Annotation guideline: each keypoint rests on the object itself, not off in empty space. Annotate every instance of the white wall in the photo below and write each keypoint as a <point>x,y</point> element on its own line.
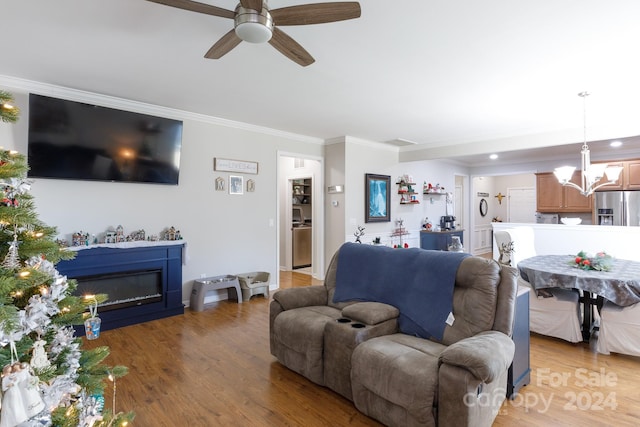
<point>362,157</point>
<point>334,170</point>
<point>225,233</point>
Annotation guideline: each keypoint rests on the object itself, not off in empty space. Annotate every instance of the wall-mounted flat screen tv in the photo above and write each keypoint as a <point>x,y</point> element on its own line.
<point>72,140</point>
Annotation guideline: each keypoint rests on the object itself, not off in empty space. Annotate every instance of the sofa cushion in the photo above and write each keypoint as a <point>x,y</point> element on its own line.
<point>302,329</point>
<point>398,369</point>
<point>299,334</point>
<point>474,299</point>
<point>370,313</point>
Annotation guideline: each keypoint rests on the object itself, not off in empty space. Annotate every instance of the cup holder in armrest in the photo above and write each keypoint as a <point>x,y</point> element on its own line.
<point>343,320</point>
<point>357,325</point>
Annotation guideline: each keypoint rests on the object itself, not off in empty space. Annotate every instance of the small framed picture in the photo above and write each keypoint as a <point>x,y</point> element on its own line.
<point>236,184</point>
<point>251,186</point>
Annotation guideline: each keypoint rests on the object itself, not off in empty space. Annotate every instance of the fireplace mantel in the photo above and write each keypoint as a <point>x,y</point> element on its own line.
<point>117,258</point>
<point>132,244</point>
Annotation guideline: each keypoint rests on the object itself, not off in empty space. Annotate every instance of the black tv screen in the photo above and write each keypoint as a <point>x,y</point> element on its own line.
<point>72,140</point>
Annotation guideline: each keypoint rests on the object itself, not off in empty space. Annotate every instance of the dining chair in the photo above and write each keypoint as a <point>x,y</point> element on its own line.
<point>619,329</point>
<point>553,312</point>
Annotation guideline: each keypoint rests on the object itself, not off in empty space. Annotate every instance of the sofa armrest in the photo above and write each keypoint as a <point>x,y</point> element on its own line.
<point>370,313</point>
<point>486,355</point>
<point>301,297</point>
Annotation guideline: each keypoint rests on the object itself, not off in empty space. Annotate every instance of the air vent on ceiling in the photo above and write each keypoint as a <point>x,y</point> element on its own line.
<point>399,142</point>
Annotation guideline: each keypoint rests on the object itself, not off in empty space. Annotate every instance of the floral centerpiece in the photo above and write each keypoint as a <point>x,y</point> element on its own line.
<point>600,262</point>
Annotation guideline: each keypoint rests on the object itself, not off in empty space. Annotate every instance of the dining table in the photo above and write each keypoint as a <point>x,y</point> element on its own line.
<point>620,283</point>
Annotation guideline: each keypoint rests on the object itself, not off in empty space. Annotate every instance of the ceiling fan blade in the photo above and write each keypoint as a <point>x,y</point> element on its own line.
<point>252,4</point>
<point>194,6</point>
<point>317,13</point>
<point>223,46</point>
<point>290,48</point>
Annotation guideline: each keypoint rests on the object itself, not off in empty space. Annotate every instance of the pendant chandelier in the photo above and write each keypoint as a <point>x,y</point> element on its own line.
<point>591,174</point>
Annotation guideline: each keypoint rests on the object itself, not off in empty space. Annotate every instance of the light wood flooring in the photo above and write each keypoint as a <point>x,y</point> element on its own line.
<point>213,368</point>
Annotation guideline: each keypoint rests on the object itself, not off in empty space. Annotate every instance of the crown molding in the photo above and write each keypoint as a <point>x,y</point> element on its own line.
<point>71,94</point>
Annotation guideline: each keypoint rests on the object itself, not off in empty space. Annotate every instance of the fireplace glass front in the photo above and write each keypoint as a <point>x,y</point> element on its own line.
<point>124,289</point>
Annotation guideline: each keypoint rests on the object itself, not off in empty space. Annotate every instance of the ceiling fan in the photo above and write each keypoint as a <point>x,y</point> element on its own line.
<point>254,22</point>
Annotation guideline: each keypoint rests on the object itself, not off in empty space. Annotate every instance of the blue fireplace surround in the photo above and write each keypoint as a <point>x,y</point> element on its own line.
<point>114,260</point>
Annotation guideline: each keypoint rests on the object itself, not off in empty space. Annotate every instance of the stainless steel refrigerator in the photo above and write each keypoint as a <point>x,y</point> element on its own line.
<point>617,208</point>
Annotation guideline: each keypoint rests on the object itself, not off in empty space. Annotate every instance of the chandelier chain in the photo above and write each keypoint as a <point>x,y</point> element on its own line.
<point>584,117</point>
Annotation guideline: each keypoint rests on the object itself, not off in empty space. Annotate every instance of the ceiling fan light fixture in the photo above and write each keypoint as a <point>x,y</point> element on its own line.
<point>252,26</point>
<point>253,32</point>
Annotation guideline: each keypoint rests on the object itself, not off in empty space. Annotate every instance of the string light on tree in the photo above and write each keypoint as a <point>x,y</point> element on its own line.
<point>39,354</point>
<point>9,113</point>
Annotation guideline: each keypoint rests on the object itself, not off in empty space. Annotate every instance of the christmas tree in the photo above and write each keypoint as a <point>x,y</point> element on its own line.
<point>47,378</point>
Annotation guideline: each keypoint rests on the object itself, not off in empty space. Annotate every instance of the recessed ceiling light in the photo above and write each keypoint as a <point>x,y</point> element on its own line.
<point>493,156</point>
<point>615,144</point>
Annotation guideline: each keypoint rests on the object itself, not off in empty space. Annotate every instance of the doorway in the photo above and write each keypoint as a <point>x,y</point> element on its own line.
<point>300,201</point>
<point>301,223</point>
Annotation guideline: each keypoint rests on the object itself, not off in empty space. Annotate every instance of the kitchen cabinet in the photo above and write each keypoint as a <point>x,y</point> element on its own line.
<point>301,230</point>
<point>553,197</point>
<point>301,191</point>
<point>301,197</point>
<point>632,175</point>
<point>301,247</point>
<point>629,177</point>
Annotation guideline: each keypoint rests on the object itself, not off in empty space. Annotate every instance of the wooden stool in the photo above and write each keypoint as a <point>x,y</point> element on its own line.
<point>202,286</point>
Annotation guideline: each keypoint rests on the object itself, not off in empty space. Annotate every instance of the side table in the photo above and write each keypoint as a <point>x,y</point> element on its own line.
<point>520,372</point>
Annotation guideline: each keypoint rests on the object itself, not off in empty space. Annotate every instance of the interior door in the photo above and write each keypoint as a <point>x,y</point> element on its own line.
<point>521,204</point>
<point>458,206</point>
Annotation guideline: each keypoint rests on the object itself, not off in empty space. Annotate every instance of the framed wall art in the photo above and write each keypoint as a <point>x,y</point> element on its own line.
<point>236,184</point>
<point>377,198</point>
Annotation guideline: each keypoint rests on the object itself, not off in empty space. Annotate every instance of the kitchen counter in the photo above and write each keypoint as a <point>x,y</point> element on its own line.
<point>439,240</point>
<point>561,239</point>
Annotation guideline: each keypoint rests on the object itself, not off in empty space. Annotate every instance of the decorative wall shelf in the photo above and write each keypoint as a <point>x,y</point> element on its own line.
<point>433,193</point>
<point>408,193</point>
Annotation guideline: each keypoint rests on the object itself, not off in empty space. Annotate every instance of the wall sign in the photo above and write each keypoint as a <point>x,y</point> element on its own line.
<point>483,194</point>
<point>238,166</point>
